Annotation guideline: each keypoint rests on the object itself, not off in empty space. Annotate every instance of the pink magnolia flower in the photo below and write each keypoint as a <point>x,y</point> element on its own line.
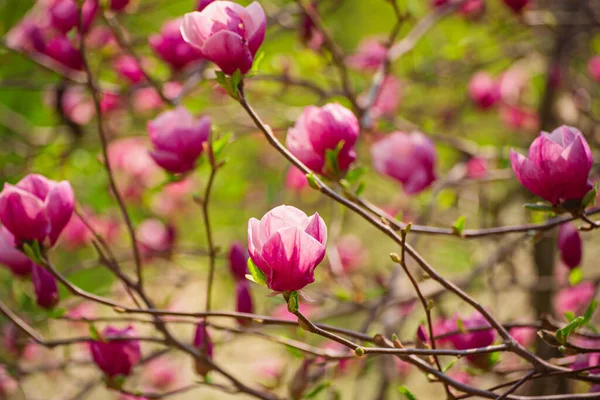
<point>76,234</point>
<point>15,260</point>
<point>524,335</point>
<point>29,34</point>
<point>588,359</point>
<point>594,68</point>
<point>64,14</point>
<point>135,170</point>
<point>178,139</point>
<point>118,5</point>
<point>519,118</point>
<point>472,8</point>
<point>282,311</point>
<point>351,252</point>
<point>110,102</point>
<point>295,179</point>
<point>174,198</point>
<point>238,261</point>
<point>171,48</point>
<point>370,55</point>
<point>62,50</point>
<point>127,67</point>
<point>310,36</point>
<point>45,287</point>
<point>476,339</point>
<point>36,208</point>
<point>226,33</point>
<point>408,158</point>
<point>203,342</point>
<point>574,299</point>
<point>155,238</point>
<point>162,373</point>
<point>320,129</point>
<point>484,90</point>
<point>77,105</point>
<point>477,167</point>
<point>116,357</point>
<point>387,100</point>
<point>570,245</point>
<point>287,246</point>
<point>517,5</point>
<point>243,300</point>
<point>557,166</point>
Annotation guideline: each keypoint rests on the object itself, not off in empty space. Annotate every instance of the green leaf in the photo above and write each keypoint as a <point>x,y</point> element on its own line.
<point>256,274</point>
<point>407,393</point>
<point>256,64</point>
<point>317,389</point>
<point>219,144</point>
<point>94,334</point>
<point>294,352</point>
<point>293,302</point>
<point>56,313</point>
<point>569,316</point>
<point>361,188</point>
<point>589,312</point>
<point>355,174</point>
<point>539,207</point>
<point>312,181</point>
<point>460,325</point>
<point>575,276</point>
<point>331,162</point>
<point>447,367</point>
<point>33,251</point>
<point>563,333</point>
<point>590,197</point>
<point>459,225</point>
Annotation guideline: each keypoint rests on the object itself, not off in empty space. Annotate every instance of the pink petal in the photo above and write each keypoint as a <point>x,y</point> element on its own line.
<point>229,51</point>
<point>317,229</point>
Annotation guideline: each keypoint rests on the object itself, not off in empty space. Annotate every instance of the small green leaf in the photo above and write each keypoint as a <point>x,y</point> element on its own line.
<point>312,181</point>
<point>294,352</point>
<point>493,358</point>
<point>563,333</point>
<point>317,389</point>
<point>407,393</point>
<point>361,188</point>
<point>257,275</point>
<point>94,334</point>
<point>459,225</point>
<point>256,64</point>
<point>56,313</point>
<point>575,276</point>
<point>460,325</point>
<point>449,365</point>
<point>331,162</point>
<point>219,144</point>
<point>569,316</point>
<point>33,251</point>
<point>355,174</point>
<point>539,207</point>
<point>589,312</point>
<point>293,302</point>
<point>590,197</point>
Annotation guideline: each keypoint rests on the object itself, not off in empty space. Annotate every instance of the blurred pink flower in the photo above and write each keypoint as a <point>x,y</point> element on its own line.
<point>477,168</point>
<point>388,99</point>
<point>171,48</point>
<point>155,238</point>
<point>11,257</point>
<point>371,53</point>
<point>8,385</point>
<point>517,5</point>
<point>570,245</point>
<point>173,198</point>
<point>575,299</point>
<point>116,357</point>
<point>519,118</point>
<point>282,312</point>
<point>351,252</point>
<point>594,68</point>
<point>162,373</point>
<point>484,90</point>
<point>523,335</point>
<point>127,67</point>
<point>295,179</point>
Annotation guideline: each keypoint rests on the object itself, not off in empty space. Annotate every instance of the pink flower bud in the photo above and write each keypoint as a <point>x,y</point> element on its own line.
<point>118,5</point>
<point>557,166</point>
<point>226,33</point>
<point>594,68</point>
<point>570,245</point>
<point>46,289</point>
<point>203,342</point>
<point>484,90</point>
<point>127,67</point>
<point>238,261</point>
<point>310,36</point>
<point>63,15</point>
<point>15,260</point>
<point>63,51</point>
<point>162,373</point>
<point>476,339</point>
<point>134,168</point>
<point>574,299</point>
<point>320,129</point>
<point>8,385</point>
<point>77,105</point>
<point>519,118</point>
<point>517,5</point>
<point>243,301</point>
<point>477,167</point>
<point>202,4</point>
<point>171,48</point>
<point>295,179</point>
<point>408,158</point>
<point>116,357</point>
<point>387,100</point>
<point>472,8</point>
<point>287,246</point>
<point>155,238</point>
<point>110,102</point>
<point>178,139</point>
<point>370,55</point>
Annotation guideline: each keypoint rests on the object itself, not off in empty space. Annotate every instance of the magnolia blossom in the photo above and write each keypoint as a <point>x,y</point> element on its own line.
<point>238,261</point>
<point>36,208</point>
<point>351,252</point>
<point>484,90</point>
<point>11,257</point>
<point>243,300</point>
<point>574,299</point>
<point>557,166</point>
<point>594,68</point>
<point>295,179</point>
<point>322,129</point>
<point>408,158</point>
<point>370,55</point>
<point>116,357</point>
<point>203,342</point>
<point>227,33</point>
<point>517,5</point>
<point>477,168</point>
<point>171,48</point>
<point>62,50</point>
<point>155,238</point>
<point>45,287</point>
<point>286,245</point>
<point>129,68</point>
